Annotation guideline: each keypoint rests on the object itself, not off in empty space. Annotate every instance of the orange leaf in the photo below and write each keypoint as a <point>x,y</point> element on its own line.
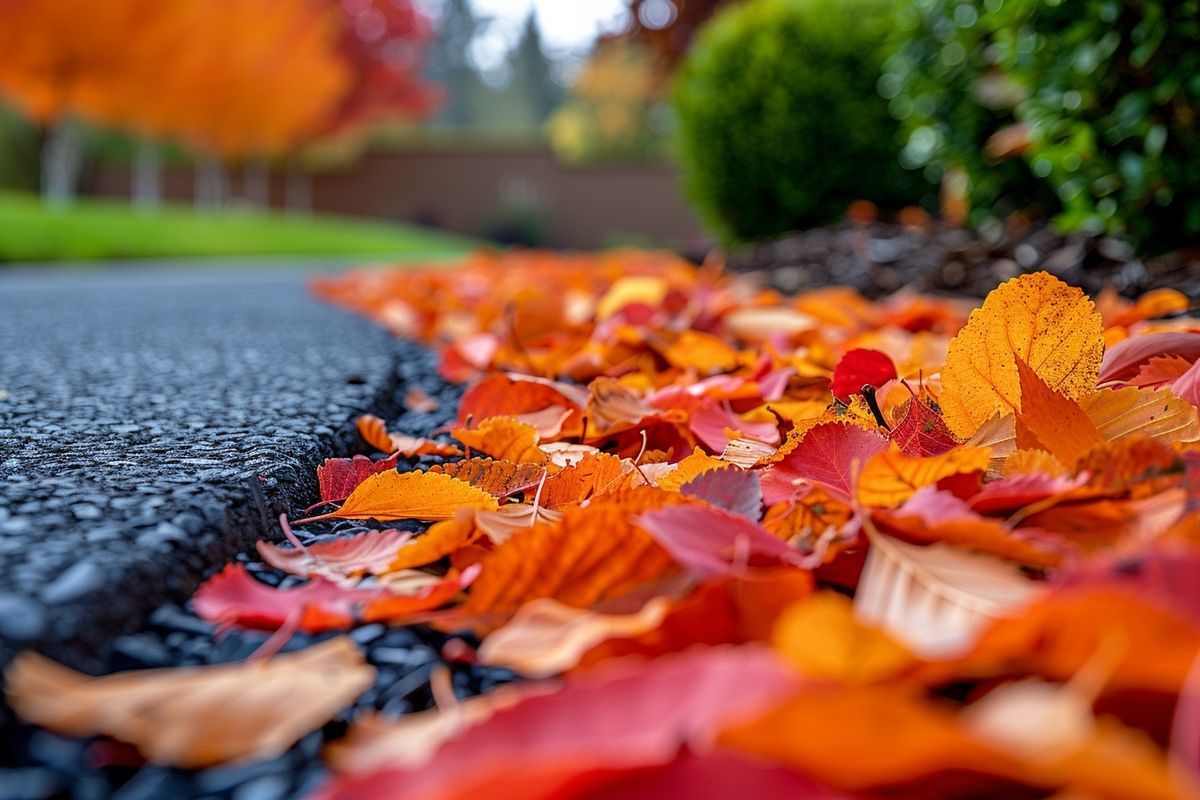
<point>409,495</point>
<point>594,553</point>
<point>504,438</point>
<point>891,477</point>
<point>1057,422</point>
<point>1051,326</point>
<point>374,432</point>
<point>497,478</point>
<point>688,468</point>
<point>594,474</point>
<point>194,717</point>
<point>822,638</point>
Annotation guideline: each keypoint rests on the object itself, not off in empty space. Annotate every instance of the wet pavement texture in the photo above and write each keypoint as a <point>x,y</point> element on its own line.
<point>152,425</point>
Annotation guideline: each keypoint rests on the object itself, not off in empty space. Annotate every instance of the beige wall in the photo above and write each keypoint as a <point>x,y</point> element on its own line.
<point>466,189</point>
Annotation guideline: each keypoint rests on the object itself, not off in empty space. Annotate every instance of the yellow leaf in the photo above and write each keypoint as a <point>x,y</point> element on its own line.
<point>702,352</point>
<point>823,639</point>
<point>195,716</point>
<point>891,477</point>
<point>1155,413</point>
<point>409,495</point>
<point>504,438</point>
<point>647,289</point>
<point>1053,327</point>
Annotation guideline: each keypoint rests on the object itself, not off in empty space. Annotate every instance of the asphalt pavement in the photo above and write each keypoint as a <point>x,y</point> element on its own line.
<point>153,423</point>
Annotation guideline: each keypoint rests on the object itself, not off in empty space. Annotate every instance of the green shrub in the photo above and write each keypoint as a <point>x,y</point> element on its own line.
<point>1108,92</point>
<point>780,124</point>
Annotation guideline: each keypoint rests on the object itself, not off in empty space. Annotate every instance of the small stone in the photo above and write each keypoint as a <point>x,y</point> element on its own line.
<point>21,619</point>
<point>85,511</point>
<point>79,579</point>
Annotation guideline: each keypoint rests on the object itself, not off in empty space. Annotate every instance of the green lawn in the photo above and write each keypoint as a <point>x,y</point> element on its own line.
<point>102,229</point>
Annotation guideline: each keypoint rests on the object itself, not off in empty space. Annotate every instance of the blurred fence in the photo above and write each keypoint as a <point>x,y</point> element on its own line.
<point>509,193</point>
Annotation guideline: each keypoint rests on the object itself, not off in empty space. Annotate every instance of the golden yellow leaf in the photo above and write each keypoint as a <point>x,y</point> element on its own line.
<point>1032,462</point>
<point>504,438</point>
<point>409,495</point>
<point>823,639</point>
<point>891,477</point>
<point>195,716</point>
<point>1053,327</point>
<point>701,352</point>
<point>645,289</point>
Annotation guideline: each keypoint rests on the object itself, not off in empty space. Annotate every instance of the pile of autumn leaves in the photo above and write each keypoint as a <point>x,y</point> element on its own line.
<point>755,546</point>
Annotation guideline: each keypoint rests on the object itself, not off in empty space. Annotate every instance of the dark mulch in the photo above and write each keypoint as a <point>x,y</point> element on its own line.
<point>883,257</point>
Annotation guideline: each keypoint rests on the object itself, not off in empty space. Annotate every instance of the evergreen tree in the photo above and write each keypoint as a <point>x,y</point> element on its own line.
<point>450,63</point>
<point>531,73</point>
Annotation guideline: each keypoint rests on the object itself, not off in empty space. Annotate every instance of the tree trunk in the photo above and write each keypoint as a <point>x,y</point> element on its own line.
<point>147,177</point>
<point>209,190</point>
<point>298,191</point>
<point>62,161</point>
<point>256,184</point>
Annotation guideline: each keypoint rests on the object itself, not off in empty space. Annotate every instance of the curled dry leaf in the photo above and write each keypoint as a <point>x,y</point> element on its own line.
<point>1051,326</point>
<point>193,717</point>
<point>374,432</point>
<point>409,495</point>
<point>339,560</point>
<point>747,453</point>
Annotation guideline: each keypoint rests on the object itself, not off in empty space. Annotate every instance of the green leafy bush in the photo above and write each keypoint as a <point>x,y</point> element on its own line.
<point>780,125</point>
<point>1107,94</point>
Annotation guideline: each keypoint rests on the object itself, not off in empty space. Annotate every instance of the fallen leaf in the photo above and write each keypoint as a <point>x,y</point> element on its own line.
<point>1155,413</point>
<point>417,401</point>
<point>1057,423</point>
<point>409,495</point>
<point>340,559</point>
<point>338,477</point>
<point>1124,359</point>
<point>936,599</point>
<point>594,553</point>
<point>736,491</point>
<point>624,716</point>
<point>374,432</point>
<point>546,637</point>
<point>193,717</point>
<point>498,478</point>
<point>233,597</point>
<point>711,542</point>
<point>1051,326</point>
<point>688,468</point>
<point>504,438</point>
<point>921,431</point>
<point>891,477</point>
<point>822,638</point>
<point>831,454</point>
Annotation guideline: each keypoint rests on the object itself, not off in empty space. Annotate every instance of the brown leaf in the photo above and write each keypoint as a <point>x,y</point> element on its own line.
<point>194,717</point>
<point>497,478</point>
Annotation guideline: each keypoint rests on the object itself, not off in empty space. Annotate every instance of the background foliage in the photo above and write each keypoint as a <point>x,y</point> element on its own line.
<point>780,125</point>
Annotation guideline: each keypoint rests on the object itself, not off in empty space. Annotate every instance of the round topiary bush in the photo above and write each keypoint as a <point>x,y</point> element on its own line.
<point>779,121</point>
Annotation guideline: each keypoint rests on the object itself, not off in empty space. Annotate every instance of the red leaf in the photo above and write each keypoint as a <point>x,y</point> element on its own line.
<point>735,490</point>
<point>921,431</point>
<point>232,597</point>
<point>710,542</point>
<point>339,476</point>
<point>831,454</point>
<point>1009,494</point>
<point>1123,359</point>
<point>626,715</point>
<point>858,368</point>
<point>711,422</point>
